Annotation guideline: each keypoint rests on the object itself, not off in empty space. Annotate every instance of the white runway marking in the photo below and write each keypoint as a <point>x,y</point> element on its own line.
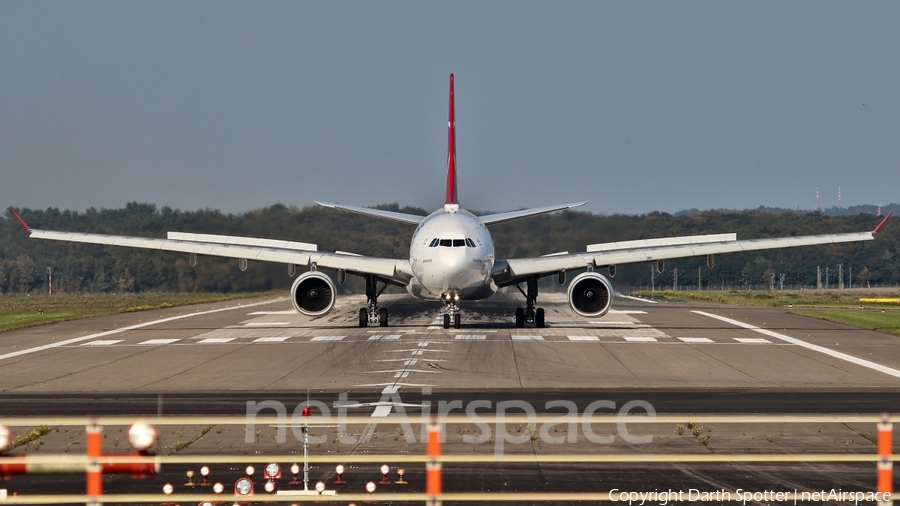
<point>611,323</point>
<point>584,338</point>
<point>467,337</point>
<point>528,338</point>
<point>106,342</point>
<point>695,340</point>
<point>625,311</point>
<point>157,342</point>
<point>752,340</point>
<point>392,337</point>
<point>479,330</point>
<point>257,313</point>
<point>265,324</point>
<point>131,327</point>
<point>216,340</point>
<point>636,298</point>
<point>271,339</point>
<point>632,339</point>
<point>327,338</point>
<point>821,349</point>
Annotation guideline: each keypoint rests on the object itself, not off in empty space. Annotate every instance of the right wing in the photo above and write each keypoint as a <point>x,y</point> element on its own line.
<point>248,248</point>
<point>507,272</point>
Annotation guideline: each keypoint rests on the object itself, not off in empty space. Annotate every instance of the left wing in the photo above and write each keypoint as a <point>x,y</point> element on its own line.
<point>510,271</point>
<point>245,248</point>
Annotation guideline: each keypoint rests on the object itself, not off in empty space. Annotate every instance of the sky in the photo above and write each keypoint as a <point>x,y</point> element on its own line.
<point>632,106</point>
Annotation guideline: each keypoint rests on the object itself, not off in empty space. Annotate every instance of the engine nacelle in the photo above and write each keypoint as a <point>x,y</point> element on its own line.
<point>590,294</point>
<point>313,294</point>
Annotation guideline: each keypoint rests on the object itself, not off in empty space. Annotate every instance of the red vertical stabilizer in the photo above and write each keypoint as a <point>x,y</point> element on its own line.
<point>451,152</point>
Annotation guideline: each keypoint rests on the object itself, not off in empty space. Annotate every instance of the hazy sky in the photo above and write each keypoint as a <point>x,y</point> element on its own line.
<point>633,106</point>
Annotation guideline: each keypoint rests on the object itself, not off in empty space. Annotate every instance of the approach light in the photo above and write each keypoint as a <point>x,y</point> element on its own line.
<point>273,471</point>
<point>339,469</point>
<point>295,469</point>
<point>270,486</point>
<point>168,489</point>
<point>218,488</point>
<point>250,471</point>
<point>370,487</point>
<point>4,437</point>
<point>243,486</point>
<point>204,471</point>
<point>385,469</point>
<point>456,297</point>
<point>320,487</point>
<point>141,435</point>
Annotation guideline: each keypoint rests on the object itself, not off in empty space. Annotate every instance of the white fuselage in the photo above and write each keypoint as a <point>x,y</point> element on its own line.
<point>451,256</point>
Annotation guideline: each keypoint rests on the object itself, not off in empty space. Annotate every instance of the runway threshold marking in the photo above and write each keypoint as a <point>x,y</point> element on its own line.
<point>131,327</point>
<point>158,342</point>
<point>890,371</point>
<point>752,340</point>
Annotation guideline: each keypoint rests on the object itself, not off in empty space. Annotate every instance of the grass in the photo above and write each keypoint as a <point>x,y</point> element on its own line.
<point>875,320</point>
<point>774,298</point>
<point>18,312</point>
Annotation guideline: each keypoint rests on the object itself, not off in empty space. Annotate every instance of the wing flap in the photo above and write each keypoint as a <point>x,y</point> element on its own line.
<point>238,240</point>
<point>509,270</point>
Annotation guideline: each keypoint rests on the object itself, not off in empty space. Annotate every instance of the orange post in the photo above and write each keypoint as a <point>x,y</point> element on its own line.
<point>94,452</point>
<point>885,466</point>
<point>433,466</point>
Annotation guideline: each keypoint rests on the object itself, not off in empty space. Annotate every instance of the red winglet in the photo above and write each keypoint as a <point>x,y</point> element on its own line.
<point>21,221</point>
<point>882,223</point>
<point>451,152</point>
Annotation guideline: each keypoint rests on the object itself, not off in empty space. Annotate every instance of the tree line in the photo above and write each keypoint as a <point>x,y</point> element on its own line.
<point>83,268</point>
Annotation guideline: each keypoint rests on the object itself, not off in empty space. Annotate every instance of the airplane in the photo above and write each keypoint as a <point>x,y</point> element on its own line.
<point>451,257</point>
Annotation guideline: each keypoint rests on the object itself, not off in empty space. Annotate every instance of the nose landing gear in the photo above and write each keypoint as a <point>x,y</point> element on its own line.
<point>372,314</point>
<point>530,314</point>
<point>452,314</point>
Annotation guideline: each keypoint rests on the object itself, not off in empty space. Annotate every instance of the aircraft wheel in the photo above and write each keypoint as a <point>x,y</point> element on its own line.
<point>456,320</point>
<point>520,317</point>
<point>382,317</point>
<point>539,318</point>
<point>446,321</point>
<point>363,317</point>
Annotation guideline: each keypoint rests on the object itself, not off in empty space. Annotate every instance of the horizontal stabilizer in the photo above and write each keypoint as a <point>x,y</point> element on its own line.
<point>490,219</point>
<point>389,215</point>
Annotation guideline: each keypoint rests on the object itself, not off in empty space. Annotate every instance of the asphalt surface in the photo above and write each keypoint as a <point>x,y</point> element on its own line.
<point>680,358</point>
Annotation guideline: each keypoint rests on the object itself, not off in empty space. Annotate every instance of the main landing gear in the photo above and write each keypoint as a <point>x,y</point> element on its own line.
<point>530,314</point>
<point>372,314</point>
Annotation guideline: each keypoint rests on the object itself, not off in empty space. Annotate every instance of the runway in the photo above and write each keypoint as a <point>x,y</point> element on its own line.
<point>689,359</point>
<point>264,346</point>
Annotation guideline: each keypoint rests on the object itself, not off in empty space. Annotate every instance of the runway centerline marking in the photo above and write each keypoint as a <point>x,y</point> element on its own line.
<point>814,347</point>
<point>216,340</point>
<point>271,339</point>
<point>103,342</point>
<point>527,338</point>
<point>594,339</point>
<point>265,324</point>
<point>633,339</point>
<point>327,338</point>
<point>255,313</point>
<point>131,327</point>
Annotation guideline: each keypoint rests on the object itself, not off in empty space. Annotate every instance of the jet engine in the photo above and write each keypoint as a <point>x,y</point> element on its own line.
<point>590,294</point>
<point>313,294</point>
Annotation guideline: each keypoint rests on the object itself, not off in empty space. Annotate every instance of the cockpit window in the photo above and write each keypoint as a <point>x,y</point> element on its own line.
<point>452,243</point>
<point>447,243</point>
<point>457,243</point>
<point>434,242</point>
<point>470,243</point>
